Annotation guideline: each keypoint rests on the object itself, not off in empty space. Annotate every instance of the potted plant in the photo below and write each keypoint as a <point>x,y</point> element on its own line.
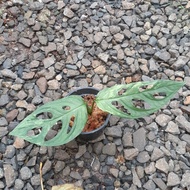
<point>69,115</point>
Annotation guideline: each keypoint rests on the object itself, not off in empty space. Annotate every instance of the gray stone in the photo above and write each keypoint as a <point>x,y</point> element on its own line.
<point>60,5</point>
<point>35,180</point>
<point>4,99</point>
<point>68,12</point>
<point>10,174</point>
<point>46,167</point>
<point>186,138</point>
<point>173,138</point>
<point>25,173</point>
<point>155,30</point>
<point>86,174</point>
<point>43,40</point>
<point>127,140</point>
<point>97,147</point>
<point>137,30</point>
<point>10,151</point>
<point>96,165</point>
<point>185,179</point>
<point>8,73</point>
<point>75,175</point>
<point>172,128</point>
<point>173,179</point>
<point>152,65</point>
<point>1,173</point>
<point>180,62</point>
<point>139,139</point>
<point>187,81</point>
<point>98,37</point>
<point>162,42</point>
<point>109,149</point>
<point>150,169</point>
<point>81,151</point>
<point>119,37</point>
<point>19,184</point>
<point>104,57</point>
<point>51,47</point>
<point>72,73</point>
<point>114,172</point>
<point>156,154</point>
<point>25,41</point>
<point>149,185</point>
<point>3,131</point>
<point>176,30</point>
<point>163,119</point>
<point>114,131</point>
<point>31,161</point>
<point>36,6</point>
<point>131,153</point>
<point>152,41</point>
<point>49,61</point>
<point>2,48</point>
<point>128,20</point>
<point>140,171</point>
<point>162,165</point>
<point>77,40</point>
<point>3,122</point>
<point>68,34</point>
<point>59,166</point>
<point>164,56</point>
<point>183,123</point>
<point>86,62</point>
<point>172,17</point>
<point>114,29</point>
<point>136,180</point>
<point>143,157</point>
<point>160,183</point>
<point>66,171</point>
<point>37,26</point>
<point>181,148</point>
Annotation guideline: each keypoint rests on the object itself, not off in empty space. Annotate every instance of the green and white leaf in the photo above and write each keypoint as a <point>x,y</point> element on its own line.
<point>106,97</point>
<point>77,108</point>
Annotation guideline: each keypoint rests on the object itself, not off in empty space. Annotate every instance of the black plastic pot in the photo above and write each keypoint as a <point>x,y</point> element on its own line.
<point>92,135</point>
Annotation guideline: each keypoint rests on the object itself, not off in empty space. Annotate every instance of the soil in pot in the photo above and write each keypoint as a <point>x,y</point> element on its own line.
<point>96,119</point>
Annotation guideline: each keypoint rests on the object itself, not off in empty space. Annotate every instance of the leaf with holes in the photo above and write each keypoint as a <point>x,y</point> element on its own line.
<point>136,100</point>
<point>38,127</point>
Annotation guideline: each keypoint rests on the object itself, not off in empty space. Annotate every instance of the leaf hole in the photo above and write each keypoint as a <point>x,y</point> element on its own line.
<point>53,131</point>
<point>35,131</point>
<point>145,87</point>
<point>122,91</point>
<point>160,95</point>
<point>66,107</point>
<point>120,107</point>
<point>141,104</point>
<point>71,123</point>
<point>44,115</point>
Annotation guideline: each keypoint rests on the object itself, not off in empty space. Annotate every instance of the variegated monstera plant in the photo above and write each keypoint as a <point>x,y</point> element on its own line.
<point>120,100</point>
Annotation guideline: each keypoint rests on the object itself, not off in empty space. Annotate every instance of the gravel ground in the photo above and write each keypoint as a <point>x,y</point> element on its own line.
<point>49,47</point>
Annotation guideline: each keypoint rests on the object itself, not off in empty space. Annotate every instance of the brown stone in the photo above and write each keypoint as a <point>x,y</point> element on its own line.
<point>28,75</point>
<point>42,84</point>
<point>19,143</point>
<point>128,80</point>
<point>11,115</point>
<point>187,100</point>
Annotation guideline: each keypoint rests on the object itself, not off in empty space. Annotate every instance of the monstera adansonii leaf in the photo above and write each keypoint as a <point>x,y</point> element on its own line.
<point>122,100</point>
<point>62,111</point>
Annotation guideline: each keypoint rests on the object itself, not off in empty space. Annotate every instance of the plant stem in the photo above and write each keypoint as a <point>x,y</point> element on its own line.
<point>90,108</point>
